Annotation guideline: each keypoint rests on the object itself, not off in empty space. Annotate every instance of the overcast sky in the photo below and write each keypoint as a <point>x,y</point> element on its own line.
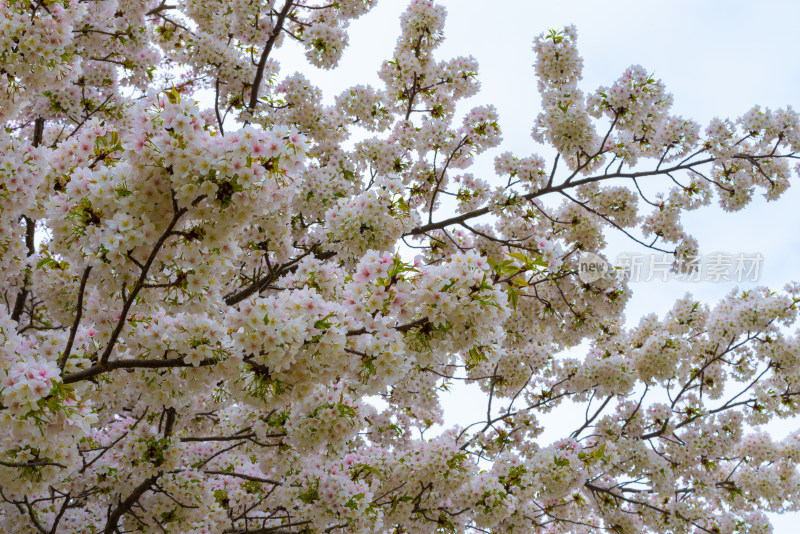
<point>718,58</point>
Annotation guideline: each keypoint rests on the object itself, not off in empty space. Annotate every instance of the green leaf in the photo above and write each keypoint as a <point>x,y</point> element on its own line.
<point>173,96</point>
<point>46,263</point>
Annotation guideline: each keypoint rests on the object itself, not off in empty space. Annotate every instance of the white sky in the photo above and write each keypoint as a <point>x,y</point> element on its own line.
<point>718,58</point>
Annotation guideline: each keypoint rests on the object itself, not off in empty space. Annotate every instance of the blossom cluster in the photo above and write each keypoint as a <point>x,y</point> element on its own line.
<point>231,304</point>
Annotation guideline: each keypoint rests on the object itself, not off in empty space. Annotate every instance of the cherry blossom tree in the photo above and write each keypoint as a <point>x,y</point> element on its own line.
<point>209,276</point>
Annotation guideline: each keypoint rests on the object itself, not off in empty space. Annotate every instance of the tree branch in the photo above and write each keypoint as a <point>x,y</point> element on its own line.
<point>101,368</point>
<point>139,283</point>
<point>30,228</point>
<point>262,63</point>
<point>65,356</point>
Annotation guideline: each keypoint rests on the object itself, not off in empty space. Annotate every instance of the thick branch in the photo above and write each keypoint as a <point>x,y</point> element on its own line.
<point>30,226</point>
<point>141,489</point>
<point>101,368</point>
<point>125,506</point>
<point>261,283</point>
<point>78,313</point>
<point>550,189</point>
<point>139,283</point>
<point>278,529</point>
<point>262,63</point>
<point>22,295</point>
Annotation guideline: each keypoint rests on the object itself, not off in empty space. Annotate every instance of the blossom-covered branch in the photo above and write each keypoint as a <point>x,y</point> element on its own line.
<point>238,316</point>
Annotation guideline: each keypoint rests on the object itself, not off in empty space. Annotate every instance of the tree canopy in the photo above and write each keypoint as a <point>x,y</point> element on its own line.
<point>231,308</point>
